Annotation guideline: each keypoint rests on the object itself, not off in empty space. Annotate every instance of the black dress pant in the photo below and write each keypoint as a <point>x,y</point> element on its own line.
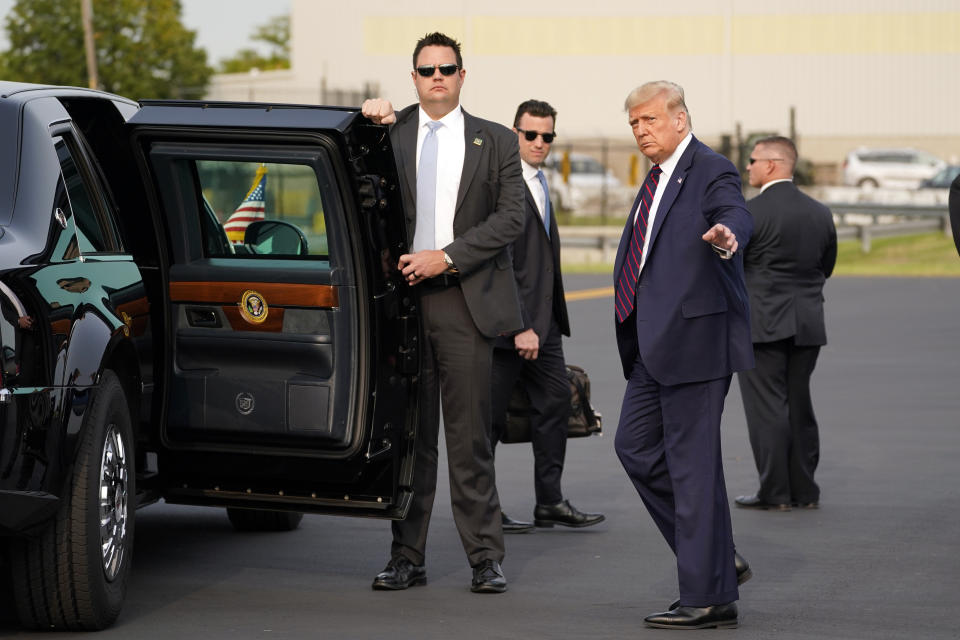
<point>455,369</point>
<point>783,428</point>
<point>545,380</point>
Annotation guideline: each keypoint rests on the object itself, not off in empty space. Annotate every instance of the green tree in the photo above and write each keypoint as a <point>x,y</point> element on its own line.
<point>276,35</point>
<point>143,50</point>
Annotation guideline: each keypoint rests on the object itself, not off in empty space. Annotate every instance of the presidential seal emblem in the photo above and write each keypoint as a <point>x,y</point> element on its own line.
<point>245,403</point>
<point>253,307</point>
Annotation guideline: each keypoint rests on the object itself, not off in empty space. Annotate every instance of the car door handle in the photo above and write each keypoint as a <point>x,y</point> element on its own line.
<point>202,318</point>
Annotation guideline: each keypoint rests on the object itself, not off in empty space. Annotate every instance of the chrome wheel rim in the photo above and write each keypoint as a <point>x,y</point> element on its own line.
<point>113,502</point>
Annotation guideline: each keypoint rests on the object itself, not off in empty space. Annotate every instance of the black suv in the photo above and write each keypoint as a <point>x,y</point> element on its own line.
<point>200,304</point>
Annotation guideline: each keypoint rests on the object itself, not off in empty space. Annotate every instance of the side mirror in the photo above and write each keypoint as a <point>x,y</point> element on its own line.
<point>275,238</point>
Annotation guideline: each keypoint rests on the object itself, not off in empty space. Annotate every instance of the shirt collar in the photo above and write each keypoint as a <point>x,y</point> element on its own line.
<point>529,171</point>
<point>668,165</point>
<point>450,121</point>
<point>773,182</point>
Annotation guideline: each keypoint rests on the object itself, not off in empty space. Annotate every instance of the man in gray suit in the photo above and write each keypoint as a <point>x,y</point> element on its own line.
<point>463,197</point>
<point>791,253</point>
<point>533,356</point>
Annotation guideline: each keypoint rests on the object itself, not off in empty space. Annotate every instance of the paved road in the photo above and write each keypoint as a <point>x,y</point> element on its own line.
<point>878,560</point>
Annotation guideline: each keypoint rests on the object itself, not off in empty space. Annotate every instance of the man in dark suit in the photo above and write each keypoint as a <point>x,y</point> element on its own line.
<point>463,197</point>
<point>792,252</point>
<point>954,204</point>
<point>683,328</point>
<point>533,356</point>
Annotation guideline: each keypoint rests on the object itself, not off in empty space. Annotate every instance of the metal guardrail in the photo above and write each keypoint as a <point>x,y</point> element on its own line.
<point>854,220</point>
<point>600,240</point>
<point>868,221</point>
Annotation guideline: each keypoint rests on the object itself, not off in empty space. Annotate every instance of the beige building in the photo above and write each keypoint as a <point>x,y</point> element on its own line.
<point>856,72</point>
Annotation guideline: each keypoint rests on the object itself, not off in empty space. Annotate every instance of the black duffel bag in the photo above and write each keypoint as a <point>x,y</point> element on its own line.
<point>584,419</point>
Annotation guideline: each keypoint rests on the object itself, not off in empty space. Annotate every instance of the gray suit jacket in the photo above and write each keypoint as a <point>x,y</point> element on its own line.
<point>488,218</point>
<point>791,253</point>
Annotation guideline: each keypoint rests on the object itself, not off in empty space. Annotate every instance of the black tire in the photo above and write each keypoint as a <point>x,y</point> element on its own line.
<point>867,183</point>
<point>261,520</point>
<point>62,579</point>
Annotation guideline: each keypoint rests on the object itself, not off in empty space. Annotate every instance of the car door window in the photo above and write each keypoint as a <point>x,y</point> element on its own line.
<point>94,232</point>
<point>270,210</point>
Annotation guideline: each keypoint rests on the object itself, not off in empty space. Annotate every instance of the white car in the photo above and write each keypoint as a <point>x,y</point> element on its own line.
<point>584,185</point>
<point>889,168</point>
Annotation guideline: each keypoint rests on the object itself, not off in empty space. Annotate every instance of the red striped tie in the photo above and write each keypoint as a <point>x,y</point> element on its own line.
<point>627,284</point>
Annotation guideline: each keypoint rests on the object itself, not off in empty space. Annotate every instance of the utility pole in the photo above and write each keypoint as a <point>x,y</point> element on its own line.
<point>86,13</point>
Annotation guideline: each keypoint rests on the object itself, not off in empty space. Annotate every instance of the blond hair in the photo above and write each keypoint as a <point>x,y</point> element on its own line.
<point>650,90</point>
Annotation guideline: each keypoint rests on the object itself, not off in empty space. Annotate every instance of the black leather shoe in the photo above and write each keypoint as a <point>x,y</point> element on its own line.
<point>807,505</point>
<point>718,616</point>
<point>399,574</point>
<point>744,573</point>
<point>564,513</point>
<point>754,502</point>
<point>488,578</point>
<point>515,526</point>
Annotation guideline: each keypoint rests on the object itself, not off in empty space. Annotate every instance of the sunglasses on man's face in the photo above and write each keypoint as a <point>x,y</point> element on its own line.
<point>427,70</point>
<point>532,135</point>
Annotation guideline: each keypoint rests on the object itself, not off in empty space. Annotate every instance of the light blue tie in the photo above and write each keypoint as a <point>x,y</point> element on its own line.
<point>546,201</point>
<point>425,235</point>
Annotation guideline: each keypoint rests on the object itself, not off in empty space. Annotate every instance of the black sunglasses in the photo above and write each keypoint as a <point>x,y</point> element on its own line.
<point>532,135</point>
<point>752,160</point>
<point>427,70</point>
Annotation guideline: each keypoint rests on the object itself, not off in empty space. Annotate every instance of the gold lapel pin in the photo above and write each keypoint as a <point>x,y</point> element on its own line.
<point>478,142</point>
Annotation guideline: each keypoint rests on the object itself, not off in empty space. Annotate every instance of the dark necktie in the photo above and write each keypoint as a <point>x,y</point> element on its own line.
<point>627,284</point>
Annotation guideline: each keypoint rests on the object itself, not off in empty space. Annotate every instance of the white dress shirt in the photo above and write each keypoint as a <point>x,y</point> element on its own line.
<point>773,182</point>
<point>533,183</point>
<point>667,166</point>
<point>450,150</point>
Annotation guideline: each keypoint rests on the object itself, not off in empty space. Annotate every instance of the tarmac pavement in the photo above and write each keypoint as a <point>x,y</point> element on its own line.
<point>879,560</point>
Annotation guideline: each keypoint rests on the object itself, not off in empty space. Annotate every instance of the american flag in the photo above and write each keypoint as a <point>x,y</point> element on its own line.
<point>250,210</point>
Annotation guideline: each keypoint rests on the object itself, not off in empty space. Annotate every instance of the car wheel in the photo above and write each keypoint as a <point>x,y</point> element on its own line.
<point>74,574</point>
<point>261,520</point>
<point>867,183</point>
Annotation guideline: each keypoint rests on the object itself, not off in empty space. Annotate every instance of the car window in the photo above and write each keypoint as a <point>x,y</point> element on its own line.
<point>586,165</point>
<point>269,209</point>
<point>95,234</point>
<point>889,157</point>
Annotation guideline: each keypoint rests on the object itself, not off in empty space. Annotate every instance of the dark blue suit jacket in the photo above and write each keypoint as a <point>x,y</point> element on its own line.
<point>692,311</point>
<point>536,263</point>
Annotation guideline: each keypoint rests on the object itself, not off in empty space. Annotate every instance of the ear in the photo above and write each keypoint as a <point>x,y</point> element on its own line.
<point>681,120</point>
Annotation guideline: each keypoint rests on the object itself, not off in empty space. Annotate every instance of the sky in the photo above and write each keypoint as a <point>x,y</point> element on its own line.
<point>223,27</point>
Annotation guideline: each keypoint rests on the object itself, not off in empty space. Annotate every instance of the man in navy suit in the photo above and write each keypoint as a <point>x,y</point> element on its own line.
<point>533,356</point>
<point>683,328</point>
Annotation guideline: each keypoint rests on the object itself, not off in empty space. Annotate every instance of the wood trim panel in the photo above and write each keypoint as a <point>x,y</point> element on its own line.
<point>275,294</point>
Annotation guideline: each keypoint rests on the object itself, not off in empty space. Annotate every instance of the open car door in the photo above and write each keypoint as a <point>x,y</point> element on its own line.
<point>288,378</point>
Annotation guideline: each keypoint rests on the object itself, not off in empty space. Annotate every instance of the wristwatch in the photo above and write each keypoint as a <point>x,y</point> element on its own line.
<point>450,266</point>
